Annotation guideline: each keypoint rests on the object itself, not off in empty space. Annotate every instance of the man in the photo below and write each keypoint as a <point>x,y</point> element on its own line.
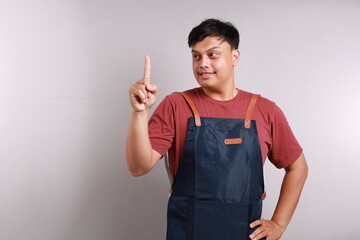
<point>217,137</point>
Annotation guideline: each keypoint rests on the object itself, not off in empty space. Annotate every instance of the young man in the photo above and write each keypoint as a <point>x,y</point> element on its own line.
<point>217,138</point>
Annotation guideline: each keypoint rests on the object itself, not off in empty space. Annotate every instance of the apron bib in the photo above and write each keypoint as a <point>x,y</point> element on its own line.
<point>219,187</point>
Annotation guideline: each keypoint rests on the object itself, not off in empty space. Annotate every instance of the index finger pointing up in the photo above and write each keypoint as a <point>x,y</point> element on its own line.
<point>147,67</point>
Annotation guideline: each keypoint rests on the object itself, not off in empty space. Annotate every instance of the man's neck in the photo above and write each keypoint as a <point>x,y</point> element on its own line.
<point>221,94</point>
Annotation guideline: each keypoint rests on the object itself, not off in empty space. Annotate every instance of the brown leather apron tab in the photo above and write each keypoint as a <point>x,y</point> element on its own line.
<point>263,196</point>
<point>250,110</point>
<point>231,141</point>
<point>193,109</point>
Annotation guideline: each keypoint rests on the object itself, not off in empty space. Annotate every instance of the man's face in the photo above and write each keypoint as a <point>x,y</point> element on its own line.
<point>213,63</point>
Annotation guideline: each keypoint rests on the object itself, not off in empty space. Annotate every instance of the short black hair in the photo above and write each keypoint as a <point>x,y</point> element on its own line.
<point>216,28</point>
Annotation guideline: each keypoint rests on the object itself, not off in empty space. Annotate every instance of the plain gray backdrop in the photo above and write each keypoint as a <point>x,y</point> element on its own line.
<point>65,70</point>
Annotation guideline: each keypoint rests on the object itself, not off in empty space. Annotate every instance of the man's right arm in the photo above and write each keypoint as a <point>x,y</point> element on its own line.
<point>140,156</point>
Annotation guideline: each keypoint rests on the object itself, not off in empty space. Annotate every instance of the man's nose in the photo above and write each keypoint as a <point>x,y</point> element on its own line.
<point>204,62</point>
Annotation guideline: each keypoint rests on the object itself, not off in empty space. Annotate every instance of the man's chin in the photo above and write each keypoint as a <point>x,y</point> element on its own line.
<point>207,87</point>
<point>206,83</point>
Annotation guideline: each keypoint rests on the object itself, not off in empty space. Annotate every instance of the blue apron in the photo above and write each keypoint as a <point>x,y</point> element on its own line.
<point>219,187</point>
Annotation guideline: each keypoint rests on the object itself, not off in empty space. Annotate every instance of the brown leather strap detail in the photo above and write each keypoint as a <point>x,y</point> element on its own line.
<point>231,141</point>
<point>193,109</point>
<point>263,196</point>
<point>250,110</point>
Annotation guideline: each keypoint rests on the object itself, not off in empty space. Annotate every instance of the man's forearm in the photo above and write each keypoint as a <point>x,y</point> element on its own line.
<point>291,188</point>
<point>138,146</point>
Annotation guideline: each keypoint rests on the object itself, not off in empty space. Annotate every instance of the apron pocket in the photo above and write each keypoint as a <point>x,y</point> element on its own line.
<point>214,221</point>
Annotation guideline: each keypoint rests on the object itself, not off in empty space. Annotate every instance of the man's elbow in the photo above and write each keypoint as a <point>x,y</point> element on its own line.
<point>137,171</point>
<point>136,174</point>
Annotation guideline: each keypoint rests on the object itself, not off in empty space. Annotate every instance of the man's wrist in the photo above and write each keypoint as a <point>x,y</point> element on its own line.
<point>140,115</point>
<point>281,225</point>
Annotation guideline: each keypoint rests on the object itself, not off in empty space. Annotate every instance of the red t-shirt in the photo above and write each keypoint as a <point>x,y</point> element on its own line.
<point>169,122</point>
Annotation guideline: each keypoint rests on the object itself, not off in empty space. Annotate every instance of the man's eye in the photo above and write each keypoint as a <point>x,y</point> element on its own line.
<point>196,57</point>
<point>213,55</point>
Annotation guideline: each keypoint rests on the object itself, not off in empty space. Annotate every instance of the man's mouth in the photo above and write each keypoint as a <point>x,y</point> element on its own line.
<point>206,75</point>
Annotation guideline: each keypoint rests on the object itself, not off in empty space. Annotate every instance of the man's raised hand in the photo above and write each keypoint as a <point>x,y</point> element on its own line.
<point>142,94</point>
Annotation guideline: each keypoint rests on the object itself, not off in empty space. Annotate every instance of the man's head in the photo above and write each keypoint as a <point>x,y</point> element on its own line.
<point>214,48</point>
<point>215,28</point>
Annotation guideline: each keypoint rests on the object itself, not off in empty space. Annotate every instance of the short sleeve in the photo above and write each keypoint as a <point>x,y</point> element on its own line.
<point>161,127</point>
<point>285,148</point>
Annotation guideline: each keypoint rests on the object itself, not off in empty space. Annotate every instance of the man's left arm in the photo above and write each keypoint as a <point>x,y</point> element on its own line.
<point>292,185</point>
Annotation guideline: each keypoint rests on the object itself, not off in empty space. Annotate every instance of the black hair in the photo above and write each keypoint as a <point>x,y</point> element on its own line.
<point>217,28</point>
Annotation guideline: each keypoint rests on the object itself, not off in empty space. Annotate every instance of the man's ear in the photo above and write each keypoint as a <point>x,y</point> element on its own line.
<point>235,56</point>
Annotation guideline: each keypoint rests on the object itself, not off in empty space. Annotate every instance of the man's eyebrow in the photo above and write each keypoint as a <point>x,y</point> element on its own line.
<point>192,50</point>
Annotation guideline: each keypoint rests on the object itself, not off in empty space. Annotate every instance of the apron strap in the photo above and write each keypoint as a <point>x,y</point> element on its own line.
<point>197,115</point>
<point>250,110</point>
<point>193,108</point>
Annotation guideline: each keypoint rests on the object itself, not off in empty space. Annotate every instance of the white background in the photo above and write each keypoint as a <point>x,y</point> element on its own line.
<point>65,70</point>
